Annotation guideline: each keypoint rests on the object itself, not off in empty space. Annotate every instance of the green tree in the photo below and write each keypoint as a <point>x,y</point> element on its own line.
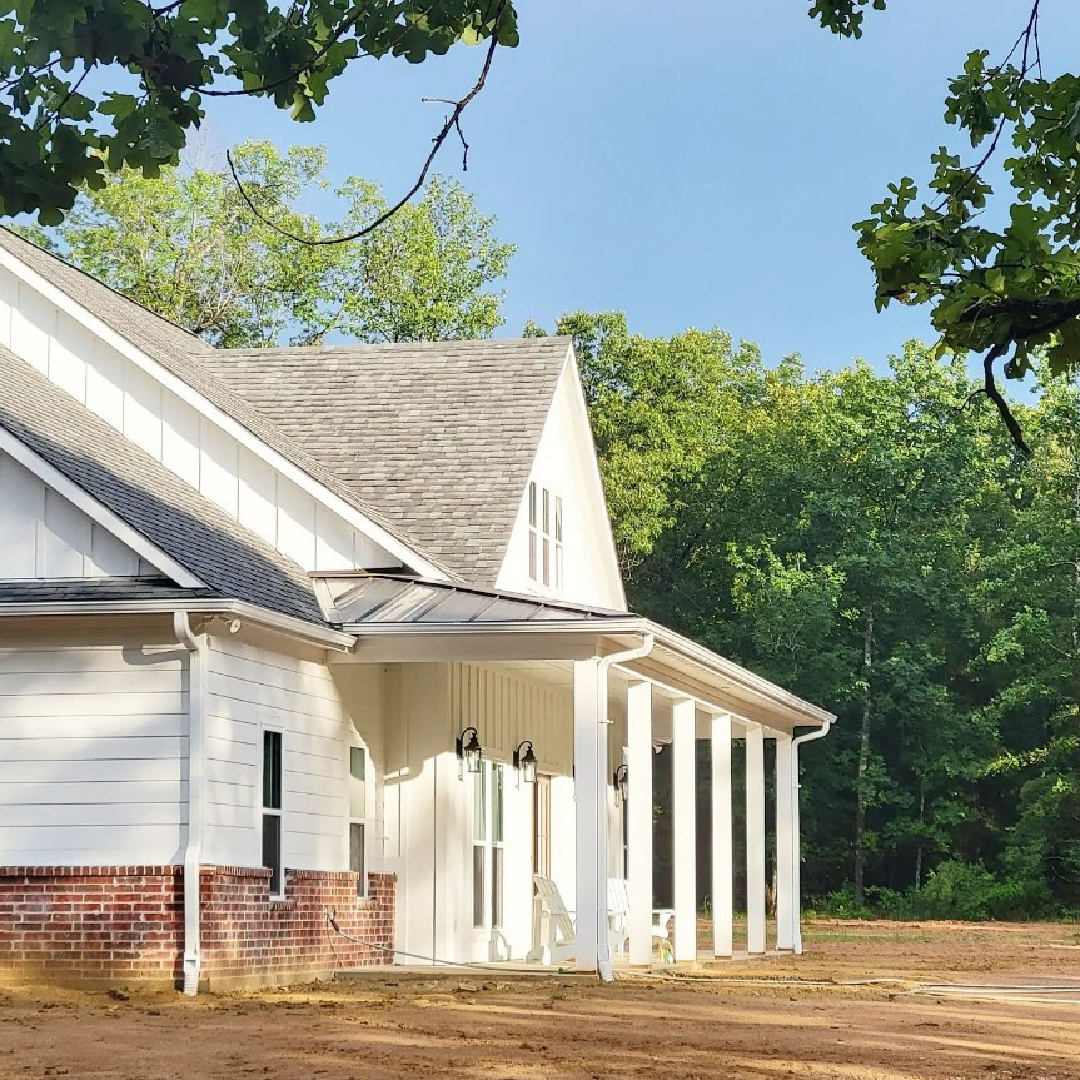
<point>187,246</point>
<point>999,264</point>
<point>89,88</point>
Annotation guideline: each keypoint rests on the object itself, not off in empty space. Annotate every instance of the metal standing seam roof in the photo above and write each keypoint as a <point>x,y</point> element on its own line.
<point>180,353</point>
<point>392,600</point>
<point>439,437</point>
<point>229,559</point>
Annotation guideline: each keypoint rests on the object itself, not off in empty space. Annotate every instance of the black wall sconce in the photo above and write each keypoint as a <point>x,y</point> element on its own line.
<point>526,763</point>
<point>470,753</point>
<point>622,785</point>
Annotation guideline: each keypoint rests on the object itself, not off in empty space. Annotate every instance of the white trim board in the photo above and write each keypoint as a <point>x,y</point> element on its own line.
<point>175,385</point>
<point>53,478</point>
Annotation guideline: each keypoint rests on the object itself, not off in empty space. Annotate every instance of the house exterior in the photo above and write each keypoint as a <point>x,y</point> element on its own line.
<point>254,607</point>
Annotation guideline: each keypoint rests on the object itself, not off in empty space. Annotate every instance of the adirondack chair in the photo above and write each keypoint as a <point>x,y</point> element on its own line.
<point>619,919</point>
<point>553,934</point>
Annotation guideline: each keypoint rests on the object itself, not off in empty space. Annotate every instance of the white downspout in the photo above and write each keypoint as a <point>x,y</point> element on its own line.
<point>603,946</point>
<point>197,691</point>
<point>796,836</point>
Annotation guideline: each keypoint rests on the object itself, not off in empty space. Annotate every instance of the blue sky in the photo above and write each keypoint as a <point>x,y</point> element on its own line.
<point>693,164</point>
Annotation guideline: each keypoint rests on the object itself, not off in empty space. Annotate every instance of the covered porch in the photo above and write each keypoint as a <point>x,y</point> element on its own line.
<point>592,695</point>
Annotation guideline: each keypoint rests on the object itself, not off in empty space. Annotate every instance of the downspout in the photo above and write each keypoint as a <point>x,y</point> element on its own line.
<point>603,946</point>
<point>796,834</point>
<point>197,693</point>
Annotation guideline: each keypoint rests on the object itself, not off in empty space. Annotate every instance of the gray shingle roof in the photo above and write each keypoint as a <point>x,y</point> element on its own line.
<point>393,600</point>
<point>150,498</point>
<point>179,352</point>
<point>92,590</point>
<point>439,437</point>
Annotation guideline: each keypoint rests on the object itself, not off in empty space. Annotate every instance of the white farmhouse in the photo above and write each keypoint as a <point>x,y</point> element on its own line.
<point>281,622</point>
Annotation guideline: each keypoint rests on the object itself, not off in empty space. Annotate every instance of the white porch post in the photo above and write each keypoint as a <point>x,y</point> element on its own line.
<point>639,809</point>
<point>684,842</point>
<point>590,807</point>
<point>721,835</point>
<point>755,838</point>
<point>785,926</point>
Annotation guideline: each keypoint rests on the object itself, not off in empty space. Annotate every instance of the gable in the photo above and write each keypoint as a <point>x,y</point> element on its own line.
<point>565,466</point>
<point>438,436</point>
<point>45,536</point>
<point>142,375</point>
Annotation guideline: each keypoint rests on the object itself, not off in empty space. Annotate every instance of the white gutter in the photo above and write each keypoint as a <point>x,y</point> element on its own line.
<point>603,945</point>
<point>286,624</point>
<point>197,695</point>
<point>796,838</point>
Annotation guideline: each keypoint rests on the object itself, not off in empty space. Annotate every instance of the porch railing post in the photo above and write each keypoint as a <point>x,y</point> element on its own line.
<point>684,815</point>
<point>722,913</point>
<point>755,838</point>
<point>639,810</point>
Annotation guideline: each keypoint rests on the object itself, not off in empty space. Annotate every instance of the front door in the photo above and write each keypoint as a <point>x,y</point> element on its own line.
<point>487,865</point>
<point>541,852</point>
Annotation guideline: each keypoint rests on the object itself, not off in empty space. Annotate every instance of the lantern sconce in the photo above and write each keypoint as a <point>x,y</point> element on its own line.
<point>526,763</point>
<point>621,781</point>
<point>469,752</point>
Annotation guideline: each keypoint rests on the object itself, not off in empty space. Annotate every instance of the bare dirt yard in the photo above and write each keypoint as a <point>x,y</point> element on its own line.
<point>746,1020</point>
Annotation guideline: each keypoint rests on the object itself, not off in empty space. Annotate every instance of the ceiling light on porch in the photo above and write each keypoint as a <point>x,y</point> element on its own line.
<point>526,763</point>
<point>469,751</point>
<point>622,785</point>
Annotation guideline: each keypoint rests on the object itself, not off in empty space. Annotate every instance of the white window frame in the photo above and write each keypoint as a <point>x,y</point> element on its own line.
<point>264,811</point>
<point>484,841</point>
<point>546,517</point>
<point>351,818</point>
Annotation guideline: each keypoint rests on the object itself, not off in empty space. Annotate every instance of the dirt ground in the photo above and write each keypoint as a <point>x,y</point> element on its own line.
<point>739,1020</point>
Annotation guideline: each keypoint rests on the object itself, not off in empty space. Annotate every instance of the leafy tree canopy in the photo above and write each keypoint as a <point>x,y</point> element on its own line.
<point>187,246</point>
<point>92,86</point>
<point>996,259</point>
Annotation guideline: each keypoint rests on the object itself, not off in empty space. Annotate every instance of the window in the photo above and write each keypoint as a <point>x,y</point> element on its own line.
<point>488,821</point>
<point>357,815</point>
<point>542,826</point>
<point>545,537</point>
<point>271,813</point>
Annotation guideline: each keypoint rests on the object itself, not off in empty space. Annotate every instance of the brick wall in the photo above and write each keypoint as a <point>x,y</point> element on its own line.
<point>111,925</point>
<point>251,940</point>
<point>91,924</point>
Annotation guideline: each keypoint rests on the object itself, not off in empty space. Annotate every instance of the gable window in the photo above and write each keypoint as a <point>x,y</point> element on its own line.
<point>545,536</point>
<point>271,812</point>
<point>357,816</point>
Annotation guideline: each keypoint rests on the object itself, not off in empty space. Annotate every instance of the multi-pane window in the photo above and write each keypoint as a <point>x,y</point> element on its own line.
<point>488,827</point>
<point>271,810</point>
<point>545,536</point>
<point>357,816</point>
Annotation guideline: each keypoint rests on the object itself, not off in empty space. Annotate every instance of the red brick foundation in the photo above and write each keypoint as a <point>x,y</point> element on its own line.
<point>113,925</point>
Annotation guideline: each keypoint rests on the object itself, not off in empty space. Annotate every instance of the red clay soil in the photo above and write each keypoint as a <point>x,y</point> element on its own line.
<point>496,1026</point>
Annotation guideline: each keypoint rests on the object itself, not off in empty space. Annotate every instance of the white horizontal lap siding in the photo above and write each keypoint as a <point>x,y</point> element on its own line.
<point>93,755</point>
<point>42,535</point>
<point>168,428</point>
<point>252,688</point>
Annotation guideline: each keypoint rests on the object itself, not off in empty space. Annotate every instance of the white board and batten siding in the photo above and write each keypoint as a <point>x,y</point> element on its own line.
<point>43,535</point>
<point>252,689</point>
<point>93,751</point>
<point>176,434</point>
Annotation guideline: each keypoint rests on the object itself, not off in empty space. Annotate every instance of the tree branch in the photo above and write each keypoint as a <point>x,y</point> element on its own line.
<point>991,390</point>
<point>452,123</point>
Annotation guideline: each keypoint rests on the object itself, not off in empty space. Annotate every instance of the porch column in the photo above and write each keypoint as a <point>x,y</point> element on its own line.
<point>721,835</point>
<point>639,811</point>
<point>785,927</point>
<point>590,808</point>
<point>683,814</point>
<point>755,838</point>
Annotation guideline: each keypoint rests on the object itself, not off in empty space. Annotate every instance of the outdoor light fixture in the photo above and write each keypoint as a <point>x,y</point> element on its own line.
<point>526,763</point>
<point>469,751</point>
<point>621,783</point>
